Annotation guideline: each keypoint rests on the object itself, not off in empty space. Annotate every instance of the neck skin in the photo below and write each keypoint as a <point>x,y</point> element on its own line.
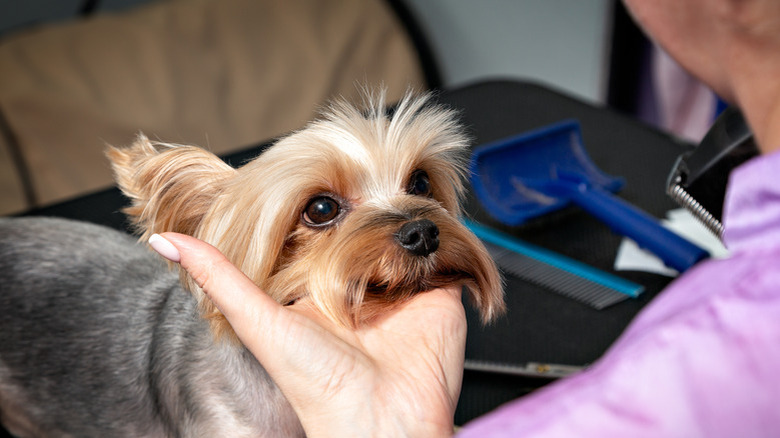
<point>760,105</point>
<point>731,45</point>
<point>766,128</point>
<point>750,57</point>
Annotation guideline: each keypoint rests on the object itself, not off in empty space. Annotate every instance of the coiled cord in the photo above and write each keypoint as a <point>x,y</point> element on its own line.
<point>684,198</point>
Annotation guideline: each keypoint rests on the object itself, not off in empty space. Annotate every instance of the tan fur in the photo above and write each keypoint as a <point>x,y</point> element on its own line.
<point>353,270</point>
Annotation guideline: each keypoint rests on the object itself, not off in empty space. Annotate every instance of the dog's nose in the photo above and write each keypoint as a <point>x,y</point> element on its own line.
<point>419,237</point>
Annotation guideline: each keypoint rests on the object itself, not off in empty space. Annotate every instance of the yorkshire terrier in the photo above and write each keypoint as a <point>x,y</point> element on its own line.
<point>357,212</point>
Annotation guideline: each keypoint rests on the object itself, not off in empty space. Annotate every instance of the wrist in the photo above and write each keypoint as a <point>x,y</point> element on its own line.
<point>375,425</point>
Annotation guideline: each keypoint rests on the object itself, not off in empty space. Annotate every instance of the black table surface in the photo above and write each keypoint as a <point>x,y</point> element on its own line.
<point>540,326</point>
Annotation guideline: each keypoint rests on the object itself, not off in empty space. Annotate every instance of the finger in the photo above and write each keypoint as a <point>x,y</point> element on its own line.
<point>444,302</point>
<point>274,335</point>
<point>221,281</point>
<point>249,310</point>
<point>445,336</point>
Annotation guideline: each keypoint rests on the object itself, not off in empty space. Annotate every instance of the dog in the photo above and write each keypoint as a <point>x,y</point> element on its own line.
<point>358,212</point>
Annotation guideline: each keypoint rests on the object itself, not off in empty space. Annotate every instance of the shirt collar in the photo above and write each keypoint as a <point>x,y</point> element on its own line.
<point>751,213</point>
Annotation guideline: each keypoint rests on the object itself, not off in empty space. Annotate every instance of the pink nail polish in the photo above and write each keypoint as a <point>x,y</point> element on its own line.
<point>164,248</point>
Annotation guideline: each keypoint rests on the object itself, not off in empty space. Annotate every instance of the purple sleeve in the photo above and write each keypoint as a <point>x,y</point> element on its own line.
<point>702,360</point>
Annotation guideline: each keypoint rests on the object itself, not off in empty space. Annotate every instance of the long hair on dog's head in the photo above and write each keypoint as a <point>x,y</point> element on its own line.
<point>319,215</point>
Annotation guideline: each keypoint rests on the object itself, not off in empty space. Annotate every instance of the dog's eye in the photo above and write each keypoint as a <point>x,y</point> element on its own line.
<point>419,184</point>
<point>321,211</point>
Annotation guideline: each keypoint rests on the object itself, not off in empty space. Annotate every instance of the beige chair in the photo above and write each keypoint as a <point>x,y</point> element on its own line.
<point>222,74</point>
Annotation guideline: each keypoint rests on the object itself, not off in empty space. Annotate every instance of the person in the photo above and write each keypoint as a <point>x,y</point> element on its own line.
<point>702,359</point>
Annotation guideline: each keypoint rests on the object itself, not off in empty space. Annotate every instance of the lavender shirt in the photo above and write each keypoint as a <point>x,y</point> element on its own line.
<point>701,360</point>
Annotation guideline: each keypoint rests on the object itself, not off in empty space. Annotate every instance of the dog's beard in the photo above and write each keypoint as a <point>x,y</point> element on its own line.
<point>357,271</point>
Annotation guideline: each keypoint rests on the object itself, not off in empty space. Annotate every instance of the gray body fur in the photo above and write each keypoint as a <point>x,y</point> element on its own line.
<point>98,339</point>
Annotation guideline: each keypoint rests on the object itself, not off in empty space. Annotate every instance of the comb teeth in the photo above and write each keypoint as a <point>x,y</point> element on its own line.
<point>563,282</point>
<point>555,272</point>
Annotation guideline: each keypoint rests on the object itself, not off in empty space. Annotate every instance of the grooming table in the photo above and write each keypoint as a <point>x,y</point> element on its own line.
<point>540,326</point>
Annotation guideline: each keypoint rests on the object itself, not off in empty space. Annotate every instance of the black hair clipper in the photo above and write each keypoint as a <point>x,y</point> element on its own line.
<point>699,177</point>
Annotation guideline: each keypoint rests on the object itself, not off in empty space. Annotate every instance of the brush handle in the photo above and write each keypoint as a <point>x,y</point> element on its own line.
<point>627,220</point>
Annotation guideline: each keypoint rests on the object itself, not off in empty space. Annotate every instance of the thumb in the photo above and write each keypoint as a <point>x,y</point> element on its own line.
<point>248,309</point>
<point>274,334</point>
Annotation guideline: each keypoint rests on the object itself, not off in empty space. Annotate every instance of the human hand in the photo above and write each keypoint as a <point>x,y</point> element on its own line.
<point>398,376</point>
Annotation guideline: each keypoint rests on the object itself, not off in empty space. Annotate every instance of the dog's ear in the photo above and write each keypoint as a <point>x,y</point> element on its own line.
<point>171,187</point>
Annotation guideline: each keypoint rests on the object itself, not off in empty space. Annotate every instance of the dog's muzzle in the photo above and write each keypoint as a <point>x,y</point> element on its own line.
<point>420,237</point>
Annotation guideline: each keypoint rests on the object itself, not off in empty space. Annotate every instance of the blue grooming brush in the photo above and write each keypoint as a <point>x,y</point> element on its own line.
<point>523,177</point>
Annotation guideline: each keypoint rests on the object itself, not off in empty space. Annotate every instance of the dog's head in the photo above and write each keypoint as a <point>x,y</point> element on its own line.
<point>358,211</point>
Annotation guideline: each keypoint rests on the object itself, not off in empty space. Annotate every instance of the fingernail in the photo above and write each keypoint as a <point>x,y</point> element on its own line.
<point>164,248</point>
